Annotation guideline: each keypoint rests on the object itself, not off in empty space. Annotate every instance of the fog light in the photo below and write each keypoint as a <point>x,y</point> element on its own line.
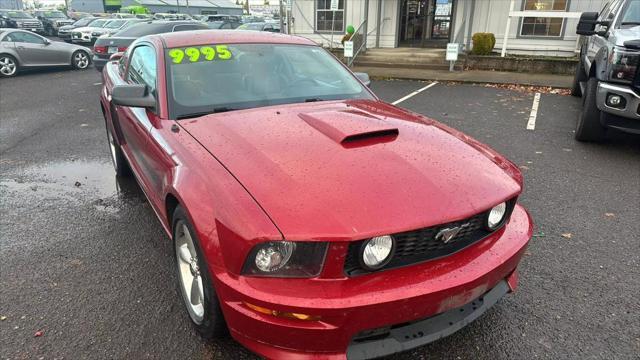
<point>496,216</point>
<point>377,252</point>
<point>616,101</point>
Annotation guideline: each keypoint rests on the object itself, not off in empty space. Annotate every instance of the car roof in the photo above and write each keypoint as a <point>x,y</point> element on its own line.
<point>198,37</point>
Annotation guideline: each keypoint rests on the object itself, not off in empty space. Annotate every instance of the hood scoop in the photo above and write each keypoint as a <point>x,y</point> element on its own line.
<point>351,128</point>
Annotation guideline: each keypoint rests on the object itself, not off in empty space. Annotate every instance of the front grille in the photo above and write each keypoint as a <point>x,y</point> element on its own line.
<point>421,245</point>
<point>31,24</point>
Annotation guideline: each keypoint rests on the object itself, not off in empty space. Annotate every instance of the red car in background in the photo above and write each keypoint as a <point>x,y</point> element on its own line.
<point>309,218</point>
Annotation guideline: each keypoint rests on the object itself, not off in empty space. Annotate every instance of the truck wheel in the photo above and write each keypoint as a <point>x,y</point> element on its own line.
<point>588,127</point>
<point>578,76</point>
<point>8,65</point>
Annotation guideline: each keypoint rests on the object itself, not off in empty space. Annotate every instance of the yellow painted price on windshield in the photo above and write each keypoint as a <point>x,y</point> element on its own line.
<point>202,53</point>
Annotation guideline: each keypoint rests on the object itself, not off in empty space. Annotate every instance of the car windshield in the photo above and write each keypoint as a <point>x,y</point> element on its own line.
<point>115,24</point>
<point>254,26</point>
<point>99,23</point>
<point>83,22</point>
<point>214,78</point>
<point>142,29</point>
<point>54,14</point>
<point>16,14</point>
<point>631,15</point>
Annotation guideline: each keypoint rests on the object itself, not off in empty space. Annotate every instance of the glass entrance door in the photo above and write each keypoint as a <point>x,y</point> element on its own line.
<point>425,23</point>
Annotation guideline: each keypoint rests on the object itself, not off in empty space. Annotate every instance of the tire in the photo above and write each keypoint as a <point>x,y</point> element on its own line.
<point>588,127</point>
<point>8,65</point>
<point>206,317</point>
<point>578,76</point>
<point>80,60</point>
<point>117,157</point>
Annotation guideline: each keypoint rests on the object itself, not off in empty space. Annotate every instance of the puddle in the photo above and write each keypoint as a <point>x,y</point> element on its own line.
<point>78,181</point>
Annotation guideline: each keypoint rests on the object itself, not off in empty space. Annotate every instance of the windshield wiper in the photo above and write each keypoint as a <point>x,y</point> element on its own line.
<point>313,100</point>
<point>216,110</point>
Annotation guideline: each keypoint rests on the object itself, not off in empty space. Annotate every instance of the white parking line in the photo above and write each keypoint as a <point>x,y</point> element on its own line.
<point>531,124</point>
<point>413,93</point>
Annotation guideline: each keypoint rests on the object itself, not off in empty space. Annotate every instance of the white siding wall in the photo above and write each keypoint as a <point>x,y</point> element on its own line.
<point>491,16</point>
<point>488,16</point>
<point>304,14</point>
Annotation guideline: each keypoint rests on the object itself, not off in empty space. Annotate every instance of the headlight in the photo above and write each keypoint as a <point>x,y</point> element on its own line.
<point>496,216</point>
<point>623,64</point>
<point>376,252</point>
<point>286,259</point>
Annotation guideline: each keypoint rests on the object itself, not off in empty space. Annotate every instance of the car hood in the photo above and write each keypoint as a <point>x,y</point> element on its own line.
<point>619,36</point>
<point>352,169</point>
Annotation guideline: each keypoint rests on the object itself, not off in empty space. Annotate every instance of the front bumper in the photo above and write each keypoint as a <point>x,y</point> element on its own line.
<point>64,35</point>
<point>81,38</point>
<point>630,111</point>
<point>351,306</point>
<point>99,62</point>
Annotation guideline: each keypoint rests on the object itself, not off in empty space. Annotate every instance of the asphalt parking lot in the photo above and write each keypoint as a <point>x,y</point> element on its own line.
<point>86,266</point>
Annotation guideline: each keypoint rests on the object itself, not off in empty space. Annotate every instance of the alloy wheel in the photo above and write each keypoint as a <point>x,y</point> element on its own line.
<point>7,66</point>
<point>189,273</point>
<point>81,60</point>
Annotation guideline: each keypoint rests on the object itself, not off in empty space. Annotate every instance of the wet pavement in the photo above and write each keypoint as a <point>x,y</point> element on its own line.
<point>85,262</point>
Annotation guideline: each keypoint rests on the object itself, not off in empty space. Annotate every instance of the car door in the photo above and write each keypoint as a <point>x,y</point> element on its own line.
<point>137,122</point>
<point>31,48</point>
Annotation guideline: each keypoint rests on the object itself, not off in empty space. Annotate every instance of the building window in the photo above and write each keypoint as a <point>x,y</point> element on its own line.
<point>327,20</point>
<point>541,26</point>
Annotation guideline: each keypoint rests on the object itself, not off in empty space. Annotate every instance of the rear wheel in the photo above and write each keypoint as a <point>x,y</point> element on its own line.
<point>589,127</point>
<point>194,281</point>
<point>80,60</point>
<point>8,65</point>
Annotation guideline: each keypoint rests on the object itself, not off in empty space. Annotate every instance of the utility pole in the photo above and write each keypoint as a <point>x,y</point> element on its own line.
<point>281,16</point>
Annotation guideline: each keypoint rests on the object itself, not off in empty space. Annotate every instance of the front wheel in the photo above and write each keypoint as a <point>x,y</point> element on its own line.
<point>194,281</point>
<point>80,60</point>
<point>8,65</point>
<point>588,127</point>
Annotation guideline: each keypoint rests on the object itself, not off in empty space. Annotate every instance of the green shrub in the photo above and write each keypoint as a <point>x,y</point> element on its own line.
<point>483,43</point>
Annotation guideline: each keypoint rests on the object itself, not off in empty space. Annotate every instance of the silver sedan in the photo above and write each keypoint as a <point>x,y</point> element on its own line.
<point>23,49</point>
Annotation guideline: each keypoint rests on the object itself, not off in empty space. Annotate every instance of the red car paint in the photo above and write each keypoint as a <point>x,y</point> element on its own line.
<point>282,172</point>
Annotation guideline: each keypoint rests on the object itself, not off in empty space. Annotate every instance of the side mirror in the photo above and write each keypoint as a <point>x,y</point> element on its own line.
<point>47,42</point>
<point>587,23</point>
<point>116,56</point>
<point>133,95</point>
<point>364,77</point>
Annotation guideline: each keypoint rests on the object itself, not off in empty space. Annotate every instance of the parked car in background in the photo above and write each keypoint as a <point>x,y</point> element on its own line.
<point>77,15</point>
<point>607,74</point>
<point>52,20</point>
<point>85,35</point>
<point>223,24</point>
<point>113,27</point>
<point>19,19</point>
<point>64,32</point>
<point>309,218</point>
<point>221,17</point>
<point>122,16</point>
<point>104,47</point>
<point>164,16</point>
<point>260,26</point>
<point>21,49</point>
<point>251,19</point>
<point>199,17</point>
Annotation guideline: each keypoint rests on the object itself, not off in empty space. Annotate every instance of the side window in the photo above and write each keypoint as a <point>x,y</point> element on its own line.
<point>26,38</point>
<point>226,26</point>
<point>142,67</point>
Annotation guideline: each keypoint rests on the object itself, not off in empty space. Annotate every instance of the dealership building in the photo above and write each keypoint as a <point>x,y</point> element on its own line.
<point>209,7</point>
<point>538,27</point>
<point>11,4</point>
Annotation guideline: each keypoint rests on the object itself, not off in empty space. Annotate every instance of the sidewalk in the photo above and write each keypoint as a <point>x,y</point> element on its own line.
<point>472,76</point>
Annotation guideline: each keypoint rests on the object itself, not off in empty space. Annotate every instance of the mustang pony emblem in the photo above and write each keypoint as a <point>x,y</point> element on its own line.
<point>447,234</point>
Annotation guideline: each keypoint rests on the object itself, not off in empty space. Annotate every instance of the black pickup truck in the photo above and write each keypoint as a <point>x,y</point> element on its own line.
<point>607,74</point>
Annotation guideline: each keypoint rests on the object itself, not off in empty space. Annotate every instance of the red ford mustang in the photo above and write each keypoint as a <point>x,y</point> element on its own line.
<point>310,219</point>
